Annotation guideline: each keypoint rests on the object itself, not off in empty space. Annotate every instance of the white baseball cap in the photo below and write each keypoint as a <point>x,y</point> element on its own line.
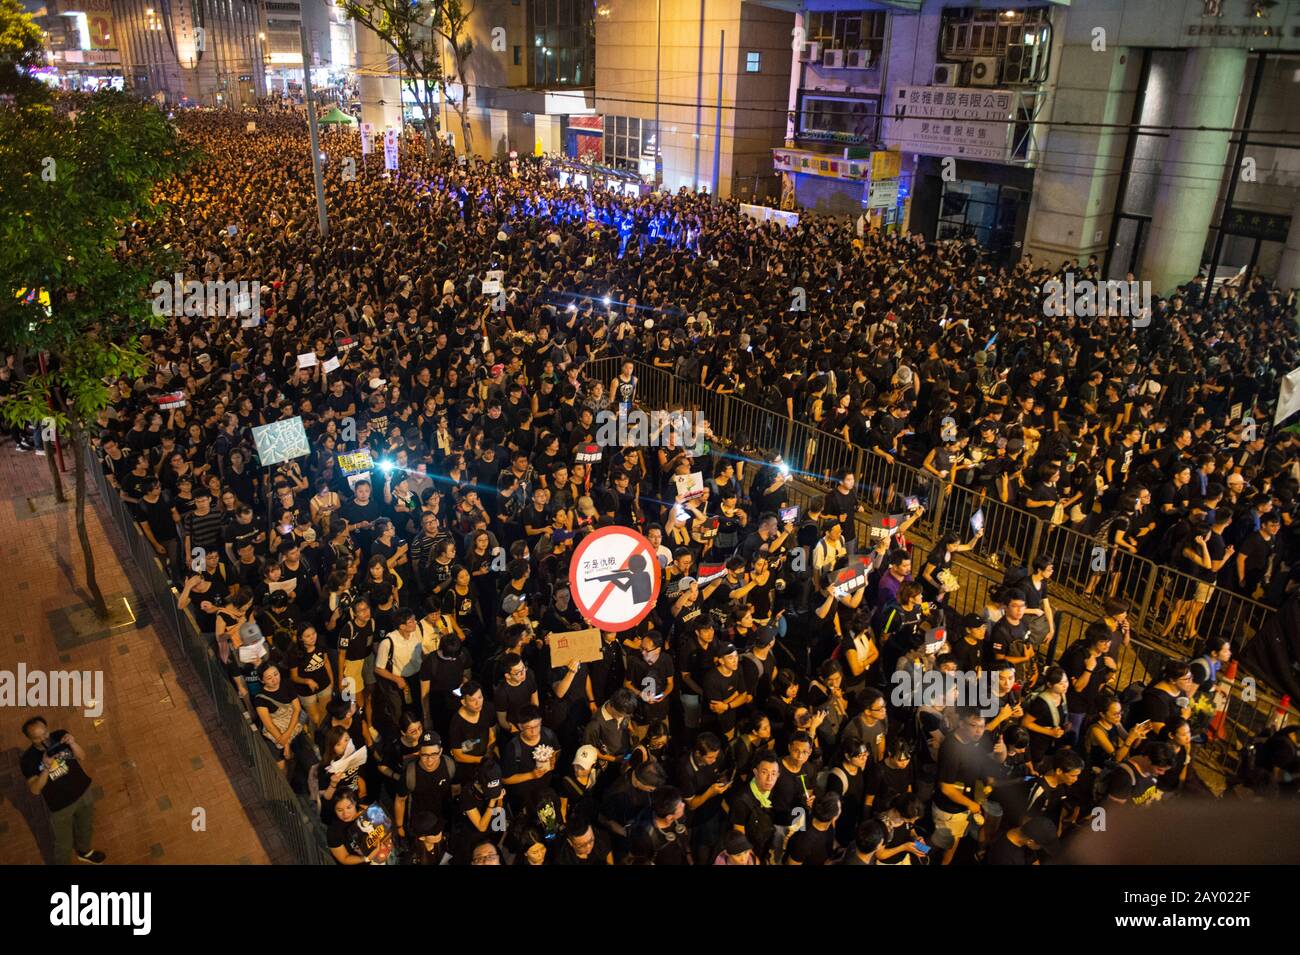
<point>585,757</point>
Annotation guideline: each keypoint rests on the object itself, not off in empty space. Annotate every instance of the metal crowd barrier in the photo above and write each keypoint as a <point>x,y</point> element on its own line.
<point>297,823</point>
<point>1085,572</point>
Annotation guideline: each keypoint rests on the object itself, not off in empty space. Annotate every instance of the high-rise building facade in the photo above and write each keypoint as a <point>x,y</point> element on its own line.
<point>195,52</point>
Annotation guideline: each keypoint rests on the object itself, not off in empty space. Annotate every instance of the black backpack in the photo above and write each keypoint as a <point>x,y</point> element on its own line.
<point>1101,781</point>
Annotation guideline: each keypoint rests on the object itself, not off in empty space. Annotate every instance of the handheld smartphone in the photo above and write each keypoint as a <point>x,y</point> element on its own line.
<point>789,514</point>
<point>911,503</point>
<point>922,847</point>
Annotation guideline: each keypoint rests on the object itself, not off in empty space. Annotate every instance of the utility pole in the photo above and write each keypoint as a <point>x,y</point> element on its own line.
<point>659,23</point>
<point>315,136</point>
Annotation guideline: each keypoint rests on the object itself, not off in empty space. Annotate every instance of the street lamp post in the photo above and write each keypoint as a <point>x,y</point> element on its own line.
<point>311,125</point>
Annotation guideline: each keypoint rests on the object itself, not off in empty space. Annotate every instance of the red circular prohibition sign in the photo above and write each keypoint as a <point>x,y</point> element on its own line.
<point>590,609</point>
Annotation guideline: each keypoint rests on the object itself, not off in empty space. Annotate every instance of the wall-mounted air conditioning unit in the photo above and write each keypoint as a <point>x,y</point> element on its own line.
<point>945,74</point>
<point>833,59</point>
<point>984,71</point>
<point>810,53</point>
<point>1021,63</point>
<point>857,60</point>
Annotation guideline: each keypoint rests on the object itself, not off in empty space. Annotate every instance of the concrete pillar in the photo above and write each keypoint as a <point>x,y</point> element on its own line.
<point>1192,168</point>
<point>1070,213</point>
<point>1288,269</point>
<point>381,96</point>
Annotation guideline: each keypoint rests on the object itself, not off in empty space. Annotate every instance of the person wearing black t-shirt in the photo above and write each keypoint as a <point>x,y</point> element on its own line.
<point>444,670</point>
<point>424,785</point>
<point>584,844</point>
<point>968,652</point>
<point>1089,666</point>
<point>1135,781</point>
<point>529,760</point>
<point>661,837</point>
<point>1167,699</point>
<point>751,808</point>
<point>963,770</point>
<point>360,513</point>
<point>724,691</point>
<point>516,691</point>
<point>52,766</point>
<point>353,838</point>
<point>842,500</point>
<point>1021,846</point>
<point>815,843</point>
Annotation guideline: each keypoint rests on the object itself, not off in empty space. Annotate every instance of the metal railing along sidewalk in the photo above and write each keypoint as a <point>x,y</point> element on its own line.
<point>296,821</point>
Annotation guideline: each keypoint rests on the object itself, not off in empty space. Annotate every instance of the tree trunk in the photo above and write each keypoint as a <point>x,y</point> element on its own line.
<point>51,458</point>
<point>430,115</point>
<point>79,457</point>
<point>463,109</point>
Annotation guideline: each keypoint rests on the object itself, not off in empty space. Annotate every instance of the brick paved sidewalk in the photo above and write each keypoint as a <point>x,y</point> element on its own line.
<point>155,752</point>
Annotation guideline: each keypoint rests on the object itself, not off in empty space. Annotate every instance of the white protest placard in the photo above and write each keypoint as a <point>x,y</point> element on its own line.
<point>1288,398</point>
<point>689,485</point>
<point>331,364</point>
<point>367,138</point>
<point>390,149</point>
<point>492,282</point>
<point>307,359</point>
<point>346,764</point>
<point>288,586</point>
<point>252,652</point>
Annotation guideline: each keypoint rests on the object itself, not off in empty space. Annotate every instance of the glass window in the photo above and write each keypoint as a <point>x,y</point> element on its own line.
<point>564,33</point>
<point>753,59</point>
<point>839,119</point>
<point>968,32</point>
<point>848,30</point>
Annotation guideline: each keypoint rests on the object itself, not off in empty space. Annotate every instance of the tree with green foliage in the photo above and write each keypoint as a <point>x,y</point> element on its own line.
<point>76,173</point>
<point>451,22</point>
<point>20,45</point>
<point>406,28</point>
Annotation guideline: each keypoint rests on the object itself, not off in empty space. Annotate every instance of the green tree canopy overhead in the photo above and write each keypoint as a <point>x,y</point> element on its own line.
<point>77,175</point>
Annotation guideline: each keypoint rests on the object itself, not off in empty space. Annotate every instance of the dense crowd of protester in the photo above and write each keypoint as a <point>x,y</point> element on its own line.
<point>755,716</point>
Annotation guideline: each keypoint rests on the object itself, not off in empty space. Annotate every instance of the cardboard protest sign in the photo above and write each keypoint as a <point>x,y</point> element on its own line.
<point>580,645</point>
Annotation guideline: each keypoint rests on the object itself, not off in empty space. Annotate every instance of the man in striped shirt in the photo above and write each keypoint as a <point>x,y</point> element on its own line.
<point>202,528</point>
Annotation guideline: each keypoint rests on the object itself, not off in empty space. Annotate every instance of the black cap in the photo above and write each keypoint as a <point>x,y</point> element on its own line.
<point>426,824</point>
<point>431,738</point>
<point>765,636</point>
<point>1042,831</point>
<point>736,843</point>
<point>724,649</point>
